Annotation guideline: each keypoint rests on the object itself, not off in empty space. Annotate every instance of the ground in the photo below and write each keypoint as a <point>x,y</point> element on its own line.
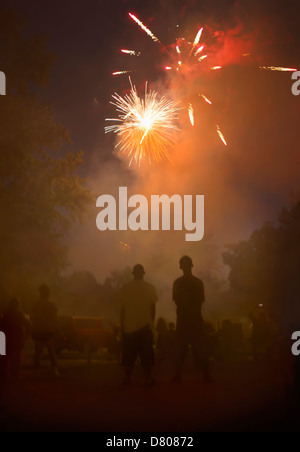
<point>245,396</point>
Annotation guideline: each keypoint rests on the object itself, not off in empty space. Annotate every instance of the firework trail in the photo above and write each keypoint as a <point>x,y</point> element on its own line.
<point>199,50</point>
<point>191,114</point>
<point>198,37</point>
<point>143,27</point>
<point>221,135</point>
<point>206,99</point>
<point>121,73</point>
<point>130,52</point>
<point>145,126</point>
<point>276,68</point>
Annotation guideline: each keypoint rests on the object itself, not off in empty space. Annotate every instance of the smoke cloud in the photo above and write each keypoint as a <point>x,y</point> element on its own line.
<point>245,183</point>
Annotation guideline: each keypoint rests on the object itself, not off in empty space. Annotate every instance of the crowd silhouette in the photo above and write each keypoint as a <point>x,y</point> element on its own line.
<point>143,338</point>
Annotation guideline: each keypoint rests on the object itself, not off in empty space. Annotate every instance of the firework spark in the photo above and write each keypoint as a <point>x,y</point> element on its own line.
<point>199,50</point>
<point>121,73</point>
<point>206,99</point>
<point>126,248</point>
<point>130,52</point>
<point>143,27</point>
<point>191,114</point>
<point>145,126</point>
<point>220,133</point>
<point>276,68</point>
<point>198,37</point>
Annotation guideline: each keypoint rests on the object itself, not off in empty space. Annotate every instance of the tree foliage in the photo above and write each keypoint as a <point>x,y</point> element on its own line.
<point>41,193</point>
<point>266,268</point>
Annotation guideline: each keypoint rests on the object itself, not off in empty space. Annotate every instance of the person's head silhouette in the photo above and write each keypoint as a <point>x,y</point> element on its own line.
<point>44,292</point>
<point>186,265</point>
<point>138,272</point>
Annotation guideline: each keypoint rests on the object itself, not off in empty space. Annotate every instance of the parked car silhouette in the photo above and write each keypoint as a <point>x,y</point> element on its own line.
<point>86,335</point>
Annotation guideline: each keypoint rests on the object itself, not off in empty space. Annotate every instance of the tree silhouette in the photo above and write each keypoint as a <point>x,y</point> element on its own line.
<point>41,194</point>
<point>266,268</point>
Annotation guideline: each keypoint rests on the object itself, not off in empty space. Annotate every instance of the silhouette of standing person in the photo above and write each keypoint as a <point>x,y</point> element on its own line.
<point>138,300</point>
<point>188,295</point>
<point>16,328</point>
<point>44,320</point>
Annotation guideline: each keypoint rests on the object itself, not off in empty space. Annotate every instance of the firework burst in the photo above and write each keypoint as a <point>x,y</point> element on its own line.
<point>145,127</point>
<point>185,58</point>
<point>188,57</point>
